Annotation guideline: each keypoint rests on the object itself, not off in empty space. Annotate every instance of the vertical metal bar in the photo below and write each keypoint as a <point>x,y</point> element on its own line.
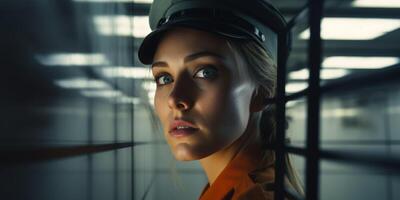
<point>116,174</point>
<point>117,55</point>
<point>313,100</point>
<point>90,157</point>
<point>133,146</point>
<point>388,150</point>
<point>118,52</point>
<point>280,116</point>
<point>133,119</point>
<point>116,133</point>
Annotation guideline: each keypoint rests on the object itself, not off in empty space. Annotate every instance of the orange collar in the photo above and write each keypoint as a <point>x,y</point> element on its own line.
<point>235,176</point>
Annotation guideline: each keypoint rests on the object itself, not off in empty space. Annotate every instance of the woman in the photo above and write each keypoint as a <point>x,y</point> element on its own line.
<point>214,63</point>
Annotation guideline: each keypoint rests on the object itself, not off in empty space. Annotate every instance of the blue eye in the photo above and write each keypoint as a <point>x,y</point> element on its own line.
<point>207,72</point>
<point>163,79</point>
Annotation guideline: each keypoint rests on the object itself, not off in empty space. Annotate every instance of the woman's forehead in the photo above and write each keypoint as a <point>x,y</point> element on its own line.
<point>181,42</point>
<point>182,45</point>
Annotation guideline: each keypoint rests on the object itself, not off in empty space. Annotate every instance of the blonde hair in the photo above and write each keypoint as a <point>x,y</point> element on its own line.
<point>262,70</point>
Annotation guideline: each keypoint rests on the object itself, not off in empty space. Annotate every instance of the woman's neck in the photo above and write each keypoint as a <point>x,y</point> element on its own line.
<point>214,164</point>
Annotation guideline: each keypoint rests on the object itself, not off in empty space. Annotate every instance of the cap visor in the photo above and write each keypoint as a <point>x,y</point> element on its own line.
<point>149,45</point>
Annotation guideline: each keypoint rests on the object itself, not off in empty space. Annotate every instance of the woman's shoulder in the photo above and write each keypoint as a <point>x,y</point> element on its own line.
<point>258,191</point>
<point>259,185</point>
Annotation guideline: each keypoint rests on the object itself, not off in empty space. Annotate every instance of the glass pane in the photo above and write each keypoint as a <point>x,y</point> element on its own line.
<point>296,118</point>
<point>100,176</point>
<point>365,118</point>
<point>345,181</point>
<point>144,168</point>
<point>145,129</point>
<point>53,95</point>
<point>354,116</point>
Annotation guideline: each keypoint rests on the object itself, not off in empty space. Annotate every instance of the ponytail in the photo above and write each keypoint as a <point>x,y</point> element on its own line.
<point>267,125</point>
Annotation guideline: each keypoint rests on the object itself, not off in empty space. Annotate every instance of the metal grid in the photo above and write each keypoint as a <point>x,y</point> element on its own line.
<point>312,152</point>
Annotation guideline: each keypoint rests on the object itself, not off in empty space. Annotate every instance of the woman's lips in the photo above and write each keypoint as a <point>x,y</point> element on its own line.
<point>181,128</point>
<point>183,132</point>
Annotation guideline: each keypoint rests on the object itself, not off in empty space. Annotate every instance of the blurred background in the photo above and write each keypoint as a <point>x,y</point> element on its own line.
<point>77,118</point>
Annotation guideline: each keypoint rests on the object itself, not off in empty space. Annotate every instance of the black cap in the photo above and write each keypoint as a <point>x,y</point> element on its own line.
<point>256,20</point>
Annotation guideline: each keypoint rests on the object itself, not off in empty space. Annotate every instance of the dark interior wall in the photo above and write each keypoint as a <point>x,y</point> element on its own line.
<point>56,143</point>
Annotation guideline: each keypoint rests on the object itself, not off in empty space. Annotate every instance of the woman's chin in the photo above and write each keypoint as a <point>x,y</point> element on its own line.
<point>184,152</point>
<point>179,158</point>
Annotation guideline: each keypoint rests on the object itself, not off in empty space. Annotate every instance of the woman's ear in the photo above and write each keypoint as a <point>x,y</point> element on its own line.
<point>257,102</point>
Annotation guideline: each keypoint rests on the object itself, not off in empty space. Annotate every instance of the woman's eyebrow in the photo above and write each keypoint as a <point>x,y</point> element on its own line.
<point>201,54</point>
<point>159,64</point>
<point>190,58</point>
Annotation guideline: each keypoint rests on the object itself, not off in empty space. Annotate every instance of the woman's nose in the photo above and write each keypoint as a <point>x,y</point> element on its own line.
<point>181,96</point>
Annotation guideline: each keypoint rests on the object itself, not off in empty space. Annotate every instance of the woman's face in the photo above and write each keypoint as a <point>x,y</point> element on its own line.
<point>199,82</point>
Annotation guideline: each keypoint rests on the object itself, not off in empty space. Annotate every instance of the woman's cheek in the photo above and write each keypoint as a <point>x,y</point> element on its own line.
<point>213,100</point>
<point>241,97</point>
<point>217,110</point>
<point>231,110</point>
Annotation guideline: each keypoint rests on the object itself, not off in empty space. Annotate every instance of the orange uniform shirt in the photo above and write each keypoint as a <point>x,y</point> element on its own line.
<point>249,175</point>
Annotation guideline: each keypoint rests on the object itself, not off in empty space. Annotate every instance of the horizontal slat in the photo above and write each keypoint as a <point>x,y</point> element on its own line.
<point>26,155</point>
<point>355,12</point>
<point>358,81</point>
<point>352,142</point>
<point>365,159</point>
<point>289,97</point>
<point>352,82</point>
<point>297,95</point>
<point>296,150</point>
